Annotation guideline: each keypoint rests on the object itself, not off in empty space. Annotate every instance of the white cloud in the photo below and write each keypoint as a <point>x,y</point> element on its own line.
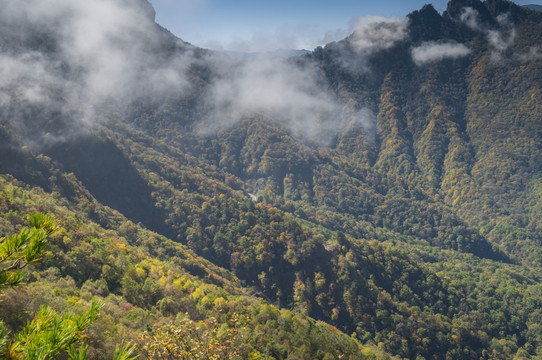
<point>287,36</point>
<point>470,17</point>
<point>293,96</point>
<point>532,54</point>
<point>434,51</point>
<point>374,33</point>
<point>69,57</point>
<point>500,40</point>
<point>79,57</point>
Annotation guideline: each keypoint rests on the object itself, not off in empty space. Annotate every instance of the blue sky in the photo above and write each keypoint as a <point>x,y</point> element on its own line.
<point>264,25</point>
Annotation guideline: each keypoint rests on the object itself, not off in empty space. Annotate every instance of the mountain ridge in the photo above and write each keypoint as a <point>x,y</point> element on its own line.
<point>534,7</point>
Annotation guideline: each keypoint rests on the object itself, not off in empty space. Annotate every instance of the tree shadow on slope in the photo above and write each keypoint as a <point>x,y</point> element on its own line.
<point>111,178</point>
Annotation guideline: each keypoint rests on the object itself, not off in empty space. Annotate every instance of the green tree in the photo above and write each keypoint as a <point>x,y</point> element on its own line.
<point>20,250</point>
<point>48,334</point>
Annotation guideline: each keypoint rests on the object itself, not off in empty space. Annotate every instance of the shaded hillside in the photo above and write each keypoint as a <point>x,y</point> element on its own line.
<point>110,177</point>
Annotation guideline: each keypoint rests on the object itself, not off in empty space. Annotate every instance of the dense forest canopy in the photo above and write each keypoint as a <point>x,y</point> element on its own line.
<point>380,197</point>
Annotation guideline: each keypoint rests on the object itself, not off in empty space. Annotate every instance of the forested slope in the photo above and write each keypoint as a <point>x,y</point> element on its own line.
<point>397,199</point>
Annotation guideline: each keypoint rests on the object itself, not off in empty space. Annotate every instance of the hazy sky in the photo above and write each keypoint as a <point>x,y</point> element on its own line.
<point>259,25</point>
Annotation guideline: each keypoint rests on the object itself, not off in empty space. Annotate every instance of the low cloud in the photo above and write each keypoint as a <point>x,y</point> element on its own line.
<point>500,40</point>
<point>294,93</point>
<point>532,54</point>
<point>505,38</point>
<point>63,59</point>
<point>64,63</point>
<point>291,94</point>
<point>369,35</point>
<point>287,36</point>
<point>471,18</point>
<point>374,33</point>
<point>335,35</point>
<point>433,51</point>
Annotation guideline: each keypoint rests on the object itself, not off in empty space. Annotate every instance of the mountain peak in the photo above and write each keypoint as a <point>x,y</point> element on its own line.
<point>456,9</point>
<point>425,24</point>
<point>487,11</point>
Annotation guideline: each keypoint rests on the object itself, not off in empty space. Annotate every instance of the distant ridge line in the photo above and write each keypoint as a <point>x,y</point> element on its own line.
<point>534,7</point>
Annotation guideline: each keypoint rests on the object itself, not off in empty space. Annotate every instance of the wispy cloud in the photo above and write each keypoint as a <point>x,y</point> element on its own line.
<point>471,18</point>
<point>374,33</point>
<point>287,36</point>
<point>434,51</point>
<point>70,57</point>
<point>369,35</point>
<point>501,39</point>
<point>287,93</point>
<point>532,54</point>
<point>63,61</point>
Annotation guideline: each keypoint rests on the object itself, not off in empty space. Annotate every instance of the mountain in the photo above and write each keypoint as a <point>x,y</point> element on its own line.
<point>387,186</point>
<point>281,53</point>
<point>534,7</point>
